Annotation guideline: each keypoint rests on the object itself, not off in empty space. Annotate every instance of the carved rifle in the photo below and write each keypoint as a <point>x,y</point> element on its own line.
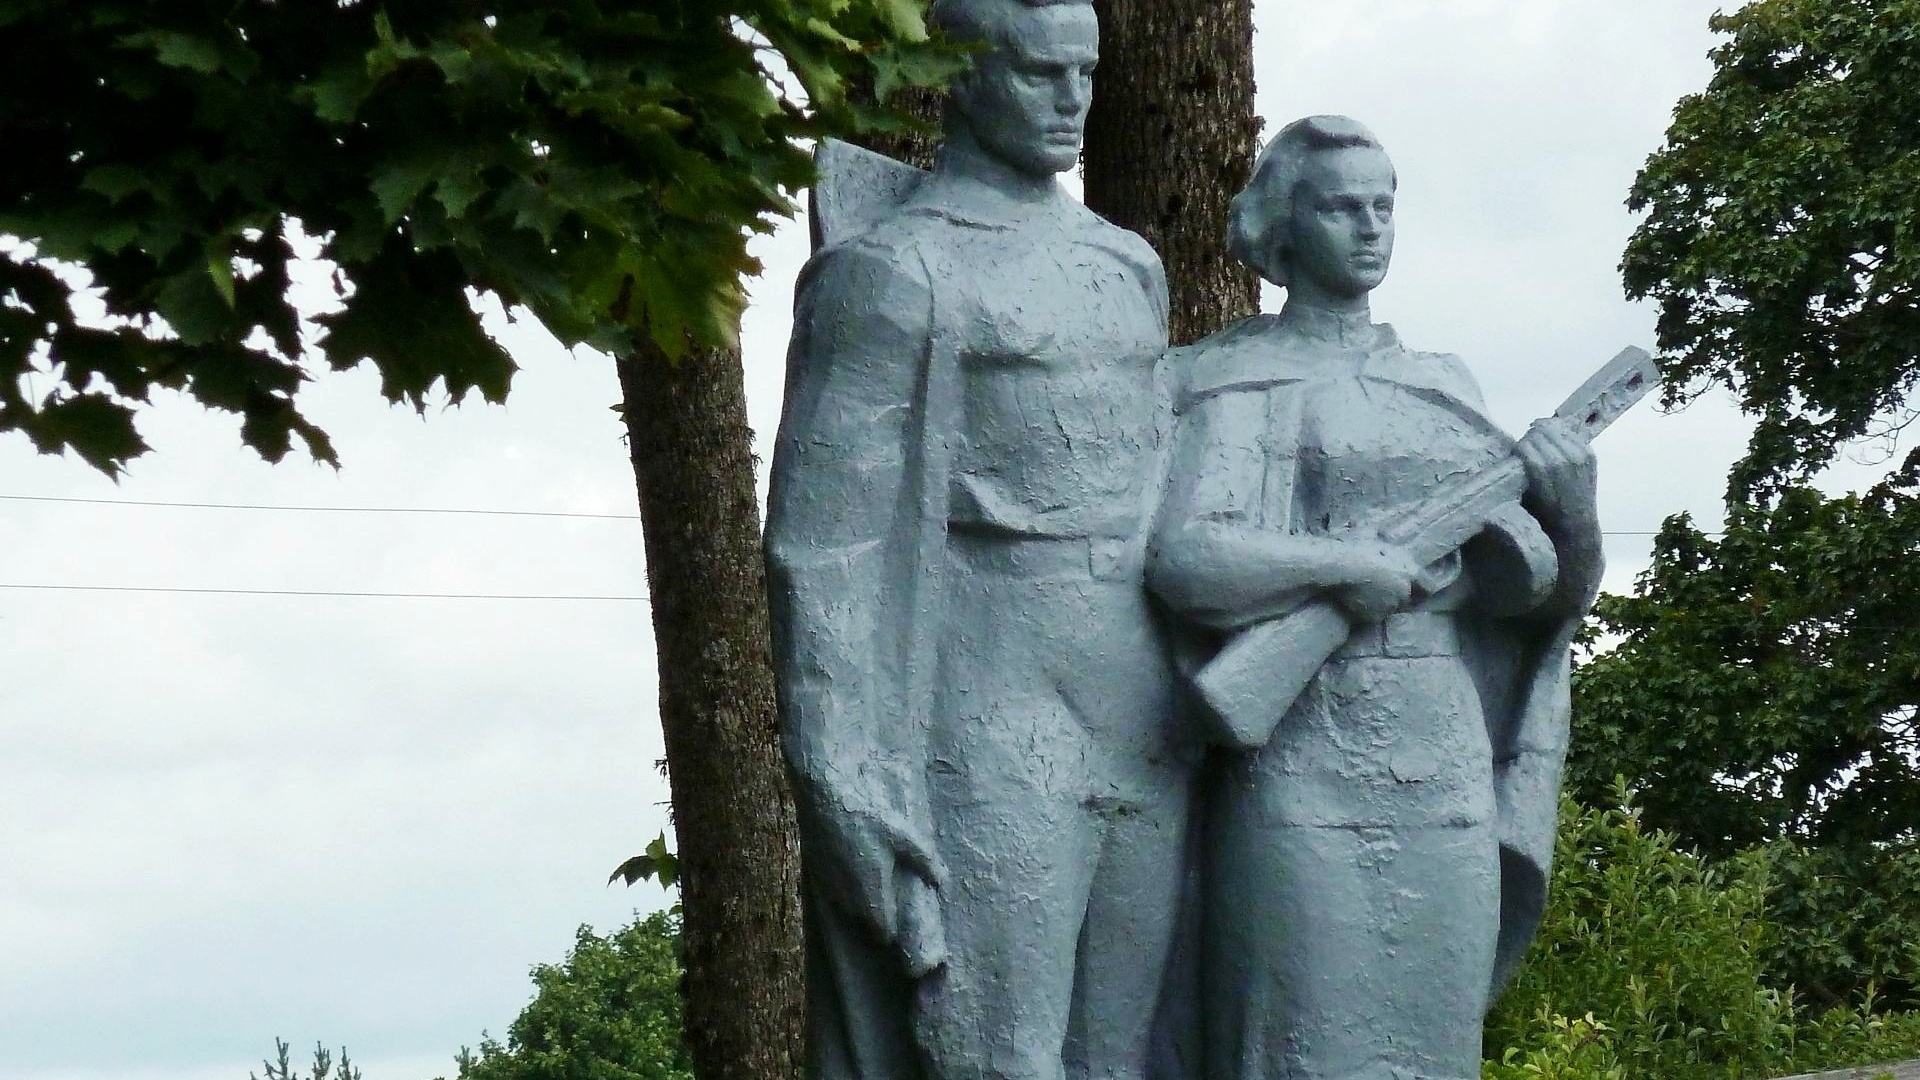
<point>1252,681</point>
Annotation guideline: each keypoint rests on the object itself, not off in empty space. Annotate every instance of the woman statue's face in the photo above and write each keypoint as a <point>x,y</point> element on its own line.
<point>1341,233</point>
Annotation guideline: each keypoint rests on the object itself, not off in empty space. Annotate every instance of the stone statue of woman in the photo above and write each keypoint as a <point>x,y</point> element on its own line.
<point>1375,868</point>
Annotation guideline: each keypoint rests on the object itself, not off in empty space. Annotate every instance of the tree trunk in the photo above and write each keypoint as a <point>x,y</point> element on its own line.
<point>913,147</point>
<point>732,809</point>
<point>1170,142</point>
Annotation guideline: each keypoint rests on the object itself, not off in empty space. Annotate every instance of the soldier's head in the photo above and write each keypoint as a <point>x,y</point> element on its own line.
<point>1318,214</point>
<point>1025,98</point>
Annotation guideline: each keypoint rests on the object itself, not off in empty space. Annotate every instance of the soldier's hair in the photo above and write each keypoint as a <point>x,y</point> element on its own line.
<point>978,20</point>
<point>1267,202</point>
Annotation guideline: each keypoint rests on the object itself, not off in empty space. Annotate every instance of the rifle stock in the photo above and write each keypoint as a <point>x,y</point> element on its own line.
<point>1266,666</point>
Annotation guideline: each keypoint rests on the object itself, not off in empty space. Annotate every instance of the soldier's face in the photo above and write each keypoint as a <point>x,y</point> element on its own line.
<point>1341,233</point>
<point>1026,99</point>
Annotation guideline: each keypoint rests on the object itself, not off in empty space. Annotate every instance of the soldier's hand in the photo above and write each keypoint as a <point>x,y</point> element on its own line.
<point>923,929</point>
<point>891,881</point>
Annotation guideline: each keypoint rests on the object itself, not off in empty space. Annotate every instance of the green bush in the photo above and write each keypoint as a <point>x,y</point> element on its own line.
<point>610,1011</point>
<point>1849,917</point>
<point>1579,1049</point>
<point>1663,957</point>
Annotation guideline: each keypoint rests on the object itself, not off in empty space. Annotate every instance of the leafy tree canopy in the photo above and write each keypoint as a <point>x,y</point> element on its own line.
<point>1764,689</point>
<point>1765,682</point>
<point>1782,230</point>
<point>597,163</point>
<point>610,1011</point>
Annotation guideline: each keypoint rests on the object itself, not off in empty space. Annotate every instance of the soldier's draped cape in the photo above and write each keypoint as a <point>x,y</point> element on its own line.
<point>856,611</point>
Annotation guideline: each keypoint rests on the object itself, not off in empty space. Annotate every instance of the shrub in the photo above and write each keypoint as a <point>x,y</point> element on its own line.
<point>610,1011</point>
<point>1663,956</point>
<point>1849,917</point>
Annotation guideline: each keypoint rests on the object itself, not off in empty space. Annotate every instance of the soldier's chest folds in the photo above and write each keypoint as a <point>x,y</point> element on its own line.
<point>1063,314</point>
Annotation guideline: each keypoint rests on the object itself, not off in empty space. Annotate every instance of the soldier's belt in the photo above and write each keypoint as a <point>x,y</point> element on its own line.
<point>1100,558</point>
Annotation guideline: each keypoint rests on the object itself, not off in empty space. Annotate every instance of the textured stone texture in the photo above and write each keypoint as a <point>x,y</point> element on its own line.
<point>976,693</point>
<point>984,468</point>
<point>1899,1070</point>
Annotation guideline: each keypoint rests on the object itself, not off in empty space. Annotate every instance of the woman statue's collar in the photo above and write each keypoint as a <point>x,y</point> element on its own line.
<point>1345,329</point>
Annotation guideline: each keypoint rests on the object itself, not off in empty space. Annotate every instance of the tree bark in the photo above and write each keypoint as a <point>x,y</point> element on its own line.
<point>732,808</point>
<point>1171,140</point>
<point>916,148</point>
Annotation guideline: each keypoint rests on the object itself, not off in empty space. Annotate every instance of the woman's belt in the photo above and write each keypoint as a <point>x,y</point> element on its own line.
<point>1405,634</point>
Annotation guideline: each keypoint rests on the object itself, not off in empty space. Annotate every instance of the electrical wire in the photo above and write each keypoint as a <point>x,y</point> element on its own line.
<point>318,592</point>
<point>322,509</point>
<point>437,510</point>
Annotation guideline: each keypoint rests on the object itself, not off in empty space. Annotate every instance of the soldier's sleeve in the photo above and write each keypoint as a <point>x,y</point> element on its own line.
<point>1147,267</point>
<point>1218,466</point>
<point>837,519</point>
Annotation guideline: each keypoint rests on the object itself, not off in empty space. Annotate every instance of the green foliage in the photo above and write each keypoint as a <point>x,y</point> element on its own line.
<point>323,1067</point>
<point>610,1011</point>
<point>1782,230</point>
<point>598,164</point>
<point>1663,957</point>
<point>1849,919</point>
<point>1577,1049</point>
<point>655,862</point>
<point>1765,684</point>
<point>1663,948</point>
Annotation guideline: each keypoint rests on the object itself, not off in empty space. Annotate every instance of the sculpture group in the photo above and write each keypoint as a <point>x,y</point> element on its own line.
<point>1172,713</point>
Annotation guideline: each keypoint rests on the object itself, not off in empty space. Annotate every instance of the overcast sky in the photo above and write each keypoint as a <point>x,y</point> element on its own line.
<point>361,819</point>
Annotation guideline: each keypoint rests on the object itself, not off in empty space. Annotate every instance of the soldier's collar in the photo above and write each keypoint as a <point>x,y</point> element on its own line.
<point>978,206</point>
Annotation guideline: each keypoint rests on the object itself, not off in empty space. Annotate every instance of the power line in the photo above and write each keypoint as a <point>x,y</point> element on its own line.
<point>316,592</point>
<point>323,509</point>
<point>437,510</point>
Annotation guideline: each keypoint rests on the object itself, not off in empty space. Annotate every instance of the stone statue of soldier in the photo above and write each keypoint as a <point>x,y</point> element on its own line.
<point>976,698</point>
<point>1376,844</point>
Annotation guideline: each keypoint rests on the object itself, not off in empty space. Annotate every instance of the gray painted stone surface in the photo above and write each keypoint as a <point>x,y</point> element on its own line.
<point>978,701</point>
<point>1028,567</point>
<point>1375,848</point>
<point>1899,1070</point>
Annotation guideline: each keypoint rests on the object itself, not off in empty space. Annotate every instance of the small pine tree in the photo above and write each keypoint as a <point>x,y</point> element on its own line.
<point>323,1064</point>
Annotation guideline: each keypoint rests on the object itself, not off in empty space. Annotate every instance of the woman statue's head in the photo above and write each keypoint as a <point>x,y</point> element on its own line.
<point>1317,216</point>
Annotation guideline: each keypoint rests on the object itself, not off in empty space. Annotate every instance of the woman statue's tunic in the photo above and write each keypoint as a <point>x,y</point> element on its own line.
<point>1352,881</point>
